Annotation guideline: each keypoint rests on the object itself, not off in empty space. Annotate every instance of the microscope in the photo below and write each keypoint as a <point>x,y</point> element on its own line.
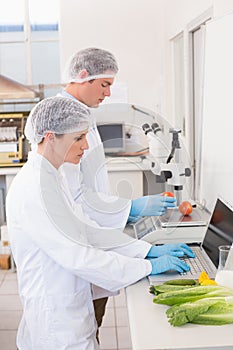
<point>167,168</point>
<point>166,163</point>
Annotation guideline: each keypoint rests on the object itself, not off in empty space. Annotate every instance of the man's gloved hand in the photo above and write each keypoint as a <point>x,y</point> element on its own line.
<point>154,205</point>
<point>166,263</point>
<point>177,249</point>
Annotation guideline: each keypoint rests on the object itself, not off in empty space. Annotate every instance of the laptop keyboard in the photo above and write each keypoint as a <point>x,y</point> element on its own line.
<point>197,264</point>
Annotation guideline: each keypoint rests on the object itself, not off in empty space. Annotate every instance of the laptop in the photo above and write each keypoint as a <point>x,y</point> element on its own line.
<point>219,232</point>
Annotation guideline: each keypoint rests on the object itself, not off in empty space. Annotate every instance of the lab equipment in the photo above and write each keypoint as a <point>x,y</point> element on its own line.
<point>224,274</point>
<point>68,116</point>
<point>90,64</point>
<point>172,172</point>
<point>154,228</point>
<point>112,136</point>
<point>178,249</point>
<point>167,262</point>
<point>224,253</point>
<point>174,218</point>
<point>11,137</point>
<point>218,232</point>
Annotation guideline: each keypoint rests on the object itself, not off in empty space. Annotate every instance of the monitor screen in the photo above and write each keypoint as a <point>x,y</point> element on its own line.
<point>113,137</point>
<point>220,230</point>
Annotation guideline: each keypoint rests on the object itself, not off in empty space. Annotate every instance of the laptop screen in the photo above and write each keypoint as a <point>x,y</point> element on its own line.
<point>219,231</point>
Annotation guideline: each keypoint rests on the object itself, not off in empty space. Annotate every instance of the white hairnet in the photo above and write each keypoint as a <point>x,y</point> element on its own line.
<point>60,115</point>
<point>89,64</point>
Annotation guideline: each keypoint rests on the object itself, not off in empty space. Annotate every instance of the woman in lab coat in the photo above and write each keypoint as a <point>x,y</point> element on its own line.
<point>53,242</point>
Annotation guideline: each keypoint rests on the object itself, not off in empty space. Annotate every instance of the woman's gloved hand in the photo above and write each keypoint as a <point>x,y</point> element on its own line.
<point>176,249</point>
<point>133,219</point>
<point>154,205</point>
<point>166,263</point>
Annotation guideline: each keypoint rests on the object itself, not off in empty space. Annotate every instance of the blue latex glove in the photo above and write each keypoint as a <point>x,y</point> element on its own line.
<point>154,205</point>
<point>133,219</point>
<point>166,263</point>
<point>178,249</point>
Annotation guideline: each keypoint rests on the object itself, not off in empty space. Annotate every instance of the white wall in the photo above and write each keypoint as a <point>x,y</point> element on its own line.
<point>131,29</point>
<point>178,15</point>
<point>217,147</point>
<point>138,32</point>
<point>222,7</point>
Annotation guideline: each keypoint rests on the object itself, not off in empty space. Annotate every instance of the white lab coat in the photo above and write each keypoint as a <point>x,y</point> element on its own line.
<point>55,272</point>
<point>92,189</point>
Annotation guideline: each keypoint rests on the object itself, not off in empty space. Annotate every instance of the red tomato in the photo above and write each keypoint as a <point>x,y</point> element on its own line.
<point>168,194</point>
<point>185,208</point>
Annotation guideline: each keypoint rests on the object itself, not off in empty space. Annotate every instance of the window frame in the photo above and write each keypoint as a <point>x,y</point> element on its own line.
<point>28,40</point>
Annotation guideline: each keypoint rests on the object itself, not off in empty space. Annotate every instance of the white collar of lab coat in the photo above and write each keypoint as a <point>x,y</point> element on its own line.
<point>39,161</point>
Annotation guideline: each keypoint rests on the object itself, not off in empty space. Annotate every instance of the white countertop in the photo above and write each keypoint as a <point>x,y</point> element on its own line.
<point>150,329</point>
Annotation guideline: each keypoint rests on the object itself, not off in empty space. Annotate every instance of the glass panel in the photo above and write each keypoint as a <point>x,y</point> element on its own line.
<point>12,15</point>
<point>13,66</point>
<point>44,35</point>
<point>43,11</point>
<point>11,37</point>
<point>43,18</point>
<point>45,63</point>
<point>13,61</point>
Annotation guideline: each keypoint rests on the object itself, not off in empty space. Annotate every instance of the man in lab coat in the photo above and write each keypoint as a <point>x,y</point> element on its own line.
<point>89,75</point>
<point>59,252</point>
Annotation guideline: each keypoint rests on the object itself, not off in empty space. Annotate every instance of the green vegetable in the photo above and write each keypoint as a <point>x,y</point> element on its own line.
<point>191,294</point>
<point>182,282</point>
<point>162,288</point>
<point>209,311</point>
<point>207,305</point>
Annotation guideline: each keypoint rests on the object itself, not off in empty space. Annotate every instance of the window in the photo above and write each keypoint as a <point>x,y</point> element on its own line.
<point>188,59</point>
<point>29,42</point>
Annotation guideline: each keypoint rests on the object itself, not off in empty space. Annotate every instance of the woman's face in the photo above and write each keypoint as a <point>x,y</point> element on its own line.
<point>70,147</point>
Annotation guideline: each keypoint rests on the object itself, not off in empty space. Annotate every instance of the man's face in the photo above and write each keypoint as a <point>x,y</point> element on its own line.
<point>93,92</point>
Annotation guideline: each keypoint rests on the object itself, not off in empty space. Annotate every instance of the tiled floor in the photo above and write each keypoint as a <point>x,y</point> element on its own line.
<point>114,333</point>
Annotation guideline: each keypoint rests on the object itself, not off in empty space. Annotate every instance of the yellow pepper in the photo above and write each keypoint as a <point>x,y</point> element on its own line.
<point>205,280</point>
<point>208,282</point>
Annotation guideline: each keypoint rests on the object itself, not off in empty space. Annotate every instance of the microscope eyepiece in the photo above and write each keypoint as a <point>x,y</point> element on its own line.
<point>146,128</point>
<point>155,127</point>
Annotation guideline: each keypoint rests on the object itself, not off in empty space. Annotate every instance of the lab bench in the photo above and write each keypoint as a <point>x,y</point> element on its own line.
<point>150,329</point>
